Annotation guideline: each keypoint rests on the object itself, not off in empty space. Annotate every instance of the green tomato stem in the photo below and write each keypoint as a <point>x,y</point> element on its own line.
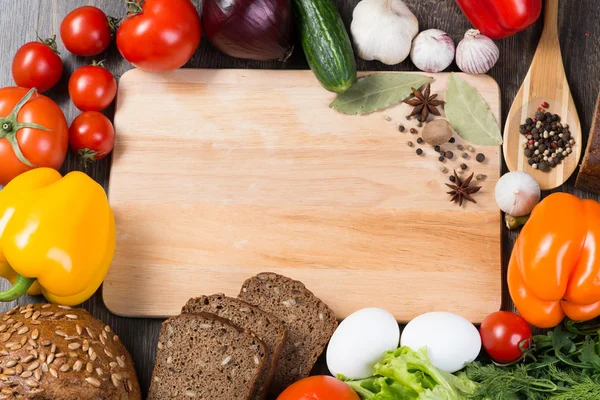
<point>10,126</point>
<point>134,7</point>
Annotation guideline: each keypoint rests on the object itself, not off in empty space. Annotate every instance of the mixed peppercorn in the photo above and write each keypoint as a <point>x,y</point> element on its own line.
<point>444,155</point>
<point>548,141</point>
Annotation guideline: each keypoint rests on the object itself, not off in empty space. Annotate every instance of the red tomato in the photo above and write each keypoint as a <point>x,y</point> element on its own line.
<point>319,388</point>
<point>163,36</point>
<point>24,147</point>
<point>92,88</point>
<point>37,65</point>
<point>504,336</point>
<point>85,31</point>
<point>92,136</point>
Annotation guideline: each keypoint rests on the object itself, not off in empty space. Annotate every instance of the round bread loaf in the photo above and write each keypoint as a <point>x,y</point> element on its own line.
<point>58,352</point>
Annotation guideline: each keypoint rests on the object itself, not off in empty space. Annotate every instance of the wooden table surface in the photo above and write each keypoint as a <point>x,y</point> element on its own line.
<point>21,20</point>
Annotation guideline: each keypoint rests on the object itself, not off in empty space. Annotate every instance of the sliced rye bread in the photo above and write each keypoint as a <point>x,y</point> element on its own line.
<point>267,327</point>
<point>309,323</point>
<point>203,356</point>
<point>588,177</point>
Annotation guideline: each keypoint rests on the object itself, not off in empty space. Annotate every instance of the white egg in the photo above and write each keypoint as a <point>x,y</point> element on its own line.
<point>451,340</point>
<point>361,341</point>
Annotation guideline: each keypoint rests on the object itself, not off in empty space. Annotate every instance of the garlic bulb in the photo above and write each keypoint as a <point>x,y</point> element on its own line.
<point>517,193</point>
<point>476,53</point>
<point>383,30</point>
<point>432,51</point>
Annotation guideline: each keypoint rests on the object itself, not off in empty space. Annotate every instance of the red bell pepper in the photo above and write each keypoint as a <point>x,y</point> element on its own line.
<point>498,19</point>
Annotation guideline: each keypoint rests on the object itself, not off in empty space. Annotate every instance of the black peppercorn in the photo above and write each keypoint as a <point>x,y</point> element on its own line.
<point>463,166</point>
<point>531,161</point>
<point>528,153</point>
<point>449,155</point>
<point>452,178</point>
<point>544,166</point>
<point>401,128</point>
<point>465,155</point>
<point>441,158</point>
<point>452,140</point>
<point>540,116</point>
<point>420,140</point>
<point>413,130</point>
<point>480,157</point>
<point>528,121</point>
<point>419,152</point>
<point>437,149</point>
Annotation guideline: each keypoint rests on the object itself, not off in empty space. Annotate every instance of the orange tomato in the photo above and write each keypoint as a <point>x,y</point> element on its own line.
<point>36,135</point>
<point>319,388</point>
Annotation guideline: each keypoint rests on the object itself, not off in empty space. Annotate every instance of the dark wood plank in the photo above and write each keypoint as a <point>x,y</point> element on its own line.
<point>579,31</point>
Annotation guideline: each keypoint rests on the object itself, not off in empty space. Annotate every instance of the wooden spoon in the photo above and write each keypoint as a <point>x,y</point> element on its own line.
<point>545,82</point>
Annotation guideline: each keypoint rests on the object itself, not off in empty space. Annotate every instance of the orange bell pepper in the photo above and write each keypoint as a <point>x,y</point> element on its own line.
<point>554,269</point>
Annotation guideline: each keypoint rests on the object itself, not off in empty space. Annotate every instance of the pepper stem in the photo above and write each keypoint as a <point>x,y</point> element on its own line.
<point>17,290</point>
<point>515,222</point>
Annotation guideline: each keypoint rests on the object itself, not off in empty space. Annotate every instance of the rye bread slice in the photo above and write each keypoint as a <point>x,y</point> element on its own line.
<point>308,321</point>
<point>589,173</point>
<point>202,356</point>
<point>246,316</point>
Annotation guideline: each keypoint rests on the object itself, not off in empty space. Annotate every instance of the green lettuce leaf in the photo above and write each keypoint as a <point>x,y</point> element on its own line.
<point>404,374</point>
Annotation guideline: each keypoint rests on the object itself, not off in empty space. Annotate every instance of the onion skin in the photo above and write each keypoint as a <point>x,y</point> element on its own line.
<point>251,29</point>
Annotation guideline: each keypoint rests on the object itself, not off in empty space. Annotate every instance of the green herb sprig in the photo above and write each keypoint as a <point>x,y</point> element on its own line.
<point>563,364</point>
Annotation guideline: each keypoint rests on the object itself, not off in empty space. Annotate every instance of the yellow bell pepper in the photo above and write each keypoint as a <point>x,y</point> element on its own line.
<point>57,233</point>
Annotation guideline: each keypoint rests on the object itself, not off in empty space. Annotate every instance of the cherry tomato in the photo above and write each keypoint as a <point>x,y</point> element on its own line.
<point>504,336</point>
<point>92,136</point>
<point>92,88</point>
<point>162,35</point>
<point>37,65</point>
<point>24,146</point>
<point>319,388</point>
<point>85,31</point>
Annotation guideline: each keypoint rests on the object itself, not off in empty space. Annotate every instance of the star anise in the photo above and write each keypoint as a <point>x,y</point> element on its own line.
<point>423,103</point>
<point>462,190</point>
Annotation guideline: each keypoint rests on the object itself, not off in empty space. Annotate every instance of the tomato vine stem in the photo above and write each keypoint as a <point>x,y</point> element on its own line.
<point>134,7</point>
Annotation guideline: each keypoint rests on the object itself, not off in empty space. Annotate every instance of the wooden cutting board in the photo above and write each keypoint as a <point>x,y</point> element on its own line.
<point>221,174</point>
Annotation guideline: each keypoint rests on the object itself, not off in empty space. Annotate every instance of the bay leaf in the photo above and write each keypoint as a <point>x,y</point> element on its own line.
<point>469,114</point>
<point>376,92</point>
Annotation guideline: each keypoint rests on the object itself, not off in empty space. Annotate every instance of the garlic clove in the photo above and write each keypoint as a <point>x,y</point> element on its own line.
<point>517,193</point>
<point>476,53</point>
<point>383,30</point>
<point>432,50</point>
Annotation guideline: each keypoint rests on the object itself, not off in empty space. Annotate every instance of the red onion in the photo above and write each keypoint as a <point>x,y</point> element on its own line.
<point>254,29</point>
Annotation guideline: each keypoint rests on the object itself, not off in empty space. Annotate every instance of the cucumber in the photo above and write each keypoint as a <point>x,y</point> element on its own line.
<point>326,43</point>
